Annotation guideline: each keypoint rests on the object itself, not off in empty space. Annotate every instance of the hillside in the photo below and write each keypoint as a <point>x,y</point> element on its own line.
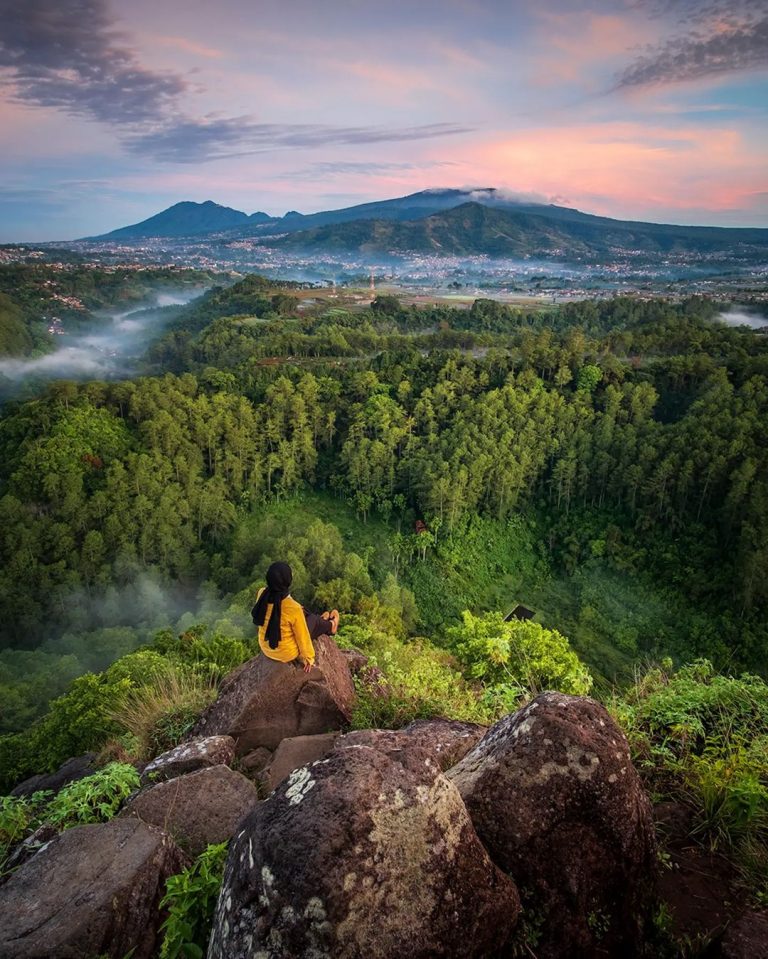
<point>15,338</point>
<point>472,229</point>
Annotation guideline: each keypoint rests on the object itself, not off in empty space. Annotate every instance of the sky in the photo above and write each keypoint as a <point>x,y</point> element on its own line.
<point>111,111</point>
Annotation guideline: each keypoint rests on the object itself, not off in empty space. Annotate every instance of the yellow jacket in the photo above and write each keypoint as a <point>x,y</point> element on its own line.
<point>295,640</point>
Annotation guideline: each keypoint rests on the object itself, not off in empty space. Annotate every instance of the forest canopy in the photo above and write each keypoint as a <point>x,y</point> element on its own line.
<point>605,461</point>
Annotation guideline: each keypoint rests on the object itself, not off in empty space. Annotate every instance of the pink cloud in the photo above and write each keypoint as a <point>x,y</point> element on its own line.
<point>578,44</point>
<point>621,169</point>
<point>630,165</point>
<point>187,46</point>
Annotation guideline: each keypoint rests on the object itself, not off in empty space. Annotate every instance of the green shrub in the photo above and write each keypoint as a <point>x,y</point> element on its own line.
<point>517,658</point>
<point>95,798</point>
<point>190,899</point>
<point>154,694</point>
<point>211,655</point>
<point>16,813</point>
<point>419,681</point>
<point>77,722</point>
<point>19,815</point>
<point>731,795</point>
<point>138,668</point>
<point>702,738</point>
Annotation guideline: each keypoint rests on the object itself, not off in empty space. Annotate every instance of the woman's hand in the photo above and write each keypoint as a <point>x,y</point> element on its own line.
<point>308,667</point>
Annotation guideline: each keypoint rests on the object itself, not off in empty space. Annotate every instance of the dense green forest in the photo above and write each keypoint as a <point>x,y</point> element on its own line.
<point>602,462</point>
<point>33,292</point>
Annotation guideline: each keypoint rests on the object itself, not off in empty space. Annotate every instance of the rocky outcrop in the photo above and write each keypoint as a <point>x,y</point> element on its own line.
<point>356,660</point>
<point>196,810</point>
<point>295,752</point>
<point>78,767</point>
<point>92,891</point>
<point>196,754</point>
<point>445,740</point>
<point>264,701</point>
<point>361,855</point>
<point>366,674</point>
<point>557,803</point>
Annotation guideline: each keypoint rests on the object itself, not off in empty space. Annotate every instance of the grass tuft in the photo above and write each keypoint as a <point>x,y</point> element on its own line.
<point>159,715</point>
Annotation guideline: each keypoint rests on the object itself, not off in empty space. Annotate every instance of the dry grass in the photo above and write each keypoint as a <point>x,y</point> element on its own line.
<point>156,717</point>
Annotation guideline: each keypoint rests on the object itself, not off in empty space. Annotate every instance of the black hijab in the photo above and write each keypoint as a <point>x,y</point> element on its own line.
<point>279,576</point>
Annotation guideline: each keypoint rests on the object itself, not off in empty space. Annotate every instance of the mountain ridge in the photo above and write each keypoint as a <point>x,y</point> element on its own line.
<point>474,228</point>
<point>427,222</point>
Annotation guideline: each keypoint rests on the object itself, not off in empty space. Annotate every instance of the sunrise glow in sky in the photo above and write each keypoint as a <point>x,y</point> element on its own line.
<point>640,109</point>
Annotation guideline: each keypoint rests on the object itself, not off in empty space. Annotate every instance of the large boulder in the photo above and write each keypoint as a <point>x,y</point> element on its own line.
<point>362,856</point>
<point>445,740</point>
<point>200,753</point>
<point>556,801</point>
<point>92,891</point>
<point>264,701</point>
<point>295,752</point>
<point>78,767</point>
<point>201,808</point>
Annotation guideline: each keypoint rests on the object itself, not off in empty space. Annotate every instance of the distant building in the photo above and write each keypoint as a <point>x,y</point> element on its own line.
<point>520,613</point>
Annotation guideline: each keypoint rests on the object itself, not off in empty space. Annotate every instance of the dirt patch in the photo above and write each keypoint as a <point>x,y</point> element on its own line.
<point>699,887</point>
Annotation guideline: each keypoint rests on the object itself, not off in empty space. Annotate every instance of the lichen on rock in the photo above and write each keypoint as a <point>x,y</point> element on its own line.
<point>362,855</point>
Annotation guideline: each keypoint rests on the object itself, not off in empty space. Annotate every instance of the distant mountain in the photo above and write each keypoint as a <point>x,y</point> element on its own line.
<point>187,219</point>
<point>415,206</point>
<point>194,219</point>
<point>506,230</point>
<point>477,221</point>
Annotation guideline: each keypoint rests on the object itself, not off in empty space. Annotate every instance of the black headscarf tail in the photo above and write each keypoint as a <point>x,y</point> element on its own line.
<point>279,576</point>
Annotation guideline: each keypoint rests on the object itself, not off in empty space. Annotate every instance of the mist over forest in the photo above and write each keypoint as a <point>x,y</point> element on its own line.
<point>108,350</point>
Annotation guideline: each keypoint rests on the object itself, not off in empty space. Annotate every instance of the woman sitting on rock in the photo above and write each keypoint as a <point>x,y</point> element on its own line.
<point>286,629</point>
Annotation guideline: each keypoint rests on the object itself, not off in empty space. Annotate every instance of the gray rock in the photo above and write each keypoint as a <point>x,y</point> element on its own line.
<point>264,701</point>
<point>295,752</point>
<point>445,740</point>
<point>198,809</point>
<point>78,767</point>
<point>356,660</point>
<point>256,760</point>
<point>94,890</point>
<point>360,855</point>
<point>559,806</point>
<point>195,754</point>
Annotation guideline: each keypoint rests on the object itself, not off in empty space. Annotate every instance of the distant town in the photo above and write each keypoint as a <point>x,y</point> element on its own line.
<point>629,272</point>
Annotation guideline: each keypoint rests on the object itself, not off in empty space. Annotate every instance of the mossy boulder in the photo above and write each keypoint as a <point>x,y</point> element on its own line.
<point>362,856</point>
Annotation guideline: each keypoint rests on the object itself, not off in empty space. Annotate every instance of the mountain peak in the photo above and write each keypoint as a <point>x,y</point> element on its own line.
<point>186,218</point>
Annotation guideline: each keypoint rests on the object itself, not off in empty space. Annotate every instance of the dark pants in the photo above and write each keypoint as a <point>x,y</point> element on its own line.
<point>317,625</point>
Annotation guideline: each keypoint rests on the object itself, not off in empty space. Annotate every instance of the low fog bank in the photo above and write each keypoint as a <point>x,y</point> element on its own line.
<point>91,631</point>
<point>108,351</point>
<point>743,316</point>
